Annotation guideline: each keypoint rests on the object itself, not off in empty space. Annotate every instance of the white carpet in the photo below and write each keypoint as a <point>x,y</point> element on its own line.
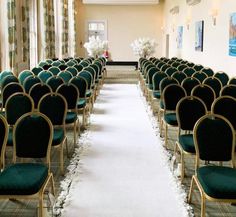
<point>122,171</point>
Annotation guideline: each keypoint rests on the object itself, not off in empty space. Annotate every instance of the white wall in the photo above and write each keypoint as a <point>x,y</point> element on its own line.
<point>216,38</point>
<point>125,24</point>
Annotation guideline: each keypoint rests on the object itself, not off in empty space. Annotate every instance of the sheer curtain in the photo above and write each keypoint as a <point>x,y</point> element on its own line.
<point>71,30</point>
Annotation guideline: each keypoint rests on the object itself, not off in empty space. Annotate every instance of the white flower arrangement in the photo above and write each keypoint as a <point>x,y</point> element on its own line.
<point>95,46</point>
<point>144,47</point>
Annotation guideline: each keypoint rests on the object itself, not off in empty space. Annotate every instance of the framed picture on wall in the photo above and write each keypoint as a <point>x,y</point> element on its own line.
<point>180,37</point>
<point>199,30</point>
<point>232,35</point>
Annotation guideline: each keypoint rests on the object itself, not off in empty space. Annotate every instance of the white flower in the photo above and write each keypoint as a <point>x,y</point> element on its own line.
<point>144,47</point>
<point>96,47</point>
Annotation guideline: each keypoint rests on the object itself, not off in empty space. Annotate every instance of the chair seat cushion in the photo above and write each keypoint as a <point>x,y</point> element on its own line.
<point>88,93</point>
<point>186,142</point>
<point>218,182</point>
<point>170,118</point>
<point>58,136</point>
<point>81,103</point>
<point>71,117</point>
<point>157,94</point>
<point>22,179</point>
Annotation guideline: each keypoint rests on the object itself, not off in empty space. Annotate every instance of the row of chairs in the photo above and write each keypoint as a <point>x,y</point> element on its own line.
<point>203,130</point>
<point>32,121</point>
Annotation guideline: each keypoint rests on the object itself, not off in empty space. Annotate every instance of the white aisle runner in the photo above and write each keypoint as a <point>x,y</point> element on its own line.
<point>122,172</point>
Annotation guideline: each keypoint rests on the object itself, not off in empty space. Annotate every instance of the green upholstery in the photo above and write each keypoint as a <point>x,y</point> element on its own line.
<point>70,63</point>
<point>72,70</point>
<point>214,83</point>
<point>79,67</point>
<point>186,142</point>
<point>42,64</point>
<point>54,82</point>
<point>170,71</point>
<point>22,179</point>
<point>218,182</point>
<point>156,80</point>
<point>58,136</point>
<point>189,71</point>
<point>30,81</point>
<point>150,86</point>
<point>65,75</point>
<point>223,77</point>
<point>81,103</point>
<point>81,85</point>
<point>200,76</point>
<point>182,67</point>
<point>45,75</point>
<point>88,77</point>
<point>88,93</point>
<point>162,104</point>
<point>4,74</point>
<point>170,118</point>
<point>56,63</point>
<point>23,75</point>
<point>228,90</point>
<point>198,67</point>
<point>179,76</point>
<point>37,70</point>
<point>10,137</point>
<point>9,79</point>
<point>71,117</point>
<point>189,83</point>
<point>54,70</point>
<point>157,94</point>
<point>208,71</point>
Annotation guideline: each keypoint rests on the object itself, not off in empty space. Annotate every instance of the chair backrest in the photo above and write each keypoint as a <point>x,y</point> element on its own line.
<point>72,70</point>
<point>54,70</point>
<point>3,139</point>
<point>4,74</point>
<point>10,89</point>
<point>17,105</point>
<point>189,109</point>
<point>79,67</point>
<point>179,76</point>
<point>225,106</point>
<point>157,78</point>
<point>9,79</point>
<point>214,139</point>
<point>54,82</point>
<point>56,63</point>
<point>190,64</point>
<point>84,63</point>
<point>205,93</point>
<point>65,75</point>
<point>23,75</point>
<point>164,67</point>
<point>45,75</point>
<point>62,67</point>
<point>37,91</point>
<point>37,70</point>
<point>81,85</point>
<point>147,68</point>
<point>46,67</point>
<point>150,74</point>
<point>171,96</point>
<point>30,81</point>
<point>70,93</point>
<point>223,77</point>
<point>54,106</point>
<point>198,67</point>
<point>165,82</point>
<point>181,67</point>
<point>88,77</point>
<point>189,71</point>
<point>170,71</point>
<point>70,63</point>
<point>32,137</point>
<point>214,83</point>
<point>228,90</point>
<point>189,83</point>
<point>201,76</point>
<point>207,71</point>
<point>232,80</point>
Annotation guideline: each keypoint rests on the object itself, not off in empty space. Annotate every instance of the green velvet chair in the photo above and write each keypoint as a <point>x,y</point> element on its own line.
<point>23,75</point>
<point>201,76</point>
<point>170,71</point>
<point>232,80</point>
<point>54,106</point>
<point>45,75</point>
<point>30,81</point>
<point>36,70</point>
<point>223,77</point>
<point>214,83</point>
<point>205,93</point>
<point>71,94</point>
<point>228,90</point>
<point>82,106</point>
<point>179,76</point>
<point>79,67</point>
<point>72,70</point>
<point>27,179</point>
<point>214,140</point>
<point>171,96</point>
<point>24,104</point>
<point>8,90</point>
<point>189,83</point>
<point>70,63</point>
<point>207,71</point>
<point>66,76</point>
<point>182,67</point>
<point>188,110</point>
<point>54,82</point>
<point>5,73</point>
<point>198,67</point>
<point>56,63</point>
<point>54,70</point>
<point>37,91</point>
<point>9,79</point>
<point>189,71</point>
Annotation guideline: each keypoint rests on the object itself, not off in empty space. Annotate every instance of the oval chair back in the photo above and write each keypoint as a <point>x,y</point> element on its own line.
<point>54,82</point>
<point>179,76</point>
<point>170,71</point>
<point>81,85</point>
<point>23,75</point>
<point>201,76</point>
<point>30,81</point>
<point>214,83</point>
<point>181,67</point>
<point>189,83</point>
<point>37,70</point>
<point>198,67</point>
<point>223,77</point>
<point>37,91</point>
<point>54,70</point>
<point>207,71</point>
<point>72,70</point>
<point>228,90</point>
<point>65,75</point>
<point>189,71</point>
<point>45,75</point>
<point>232,81</point>
<point>225,106</point>
<point>156,79</point>
<point>165,82</point>
<point>205,93</point>
<point>79,67</point>
<point>88,77</point>
<point>9,79</point>
<point>10,89</point>
<point>17,105</point>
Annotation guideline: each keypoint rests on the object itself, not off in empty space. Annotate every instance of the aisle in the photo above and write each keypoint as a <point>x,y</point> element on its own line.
<point>122,172</point>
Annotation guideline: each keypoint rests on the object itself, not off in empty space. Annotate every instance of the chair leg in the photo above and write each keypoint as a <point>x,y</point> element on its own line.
<point>52,185</point>
<point>75,136</point>
<point>191,190</point>
<point>61,160</point>
<point>40,209</point>
<point>166,136</point>
<point>182,165</point>
<point>203,205</point>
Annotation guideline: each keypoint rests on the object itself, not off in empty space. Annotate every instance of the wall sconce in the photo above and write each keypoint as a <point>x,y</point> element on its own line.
<point>214,13</point>
<point>188,21</point>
